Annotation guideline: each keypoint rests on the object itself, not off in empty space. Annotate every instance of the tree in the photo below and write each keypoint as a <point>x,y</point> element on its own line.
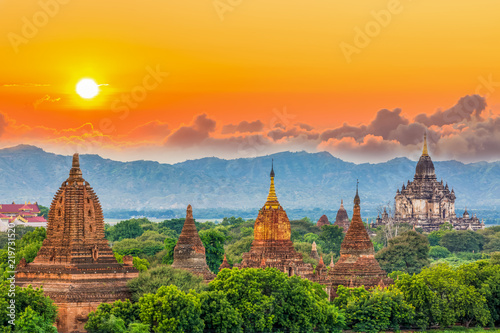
<point>110,318</point>
<point>218,314</point>
<point>442,295</point>
<point>374,311</point>
<point>213,241</point>
<point>171,310</point>
<point>170,244</point>
<point>331,238</point>
<point>268,300</point>
<point>40,306</point>
<point>125,229</point>
<point>44,211</point>
<point>32,321</point>
<point>407,252</point>
<point>235,250</point>
<point>437,252</point>
<point>311,237</point>
<point>149,281</point>
<point>462,241</point>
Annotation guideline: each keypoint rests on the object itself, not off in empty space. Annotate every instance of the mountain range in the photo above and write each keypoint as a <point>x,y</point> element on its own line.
<point>303,181</point>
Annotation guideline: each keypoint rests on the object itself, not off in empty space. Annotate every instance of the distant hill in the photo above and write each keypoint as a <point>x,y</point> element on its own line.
<point>303,181</point>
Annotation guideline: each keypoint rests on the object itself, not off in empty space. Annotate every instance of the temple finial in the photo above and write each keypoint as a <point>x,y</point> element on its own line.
<point>76,160</point>
<point>75,171</point>
<point>272,199</point>
<point>357,201</point>
<point>189,212</point>
<point>424,151</point>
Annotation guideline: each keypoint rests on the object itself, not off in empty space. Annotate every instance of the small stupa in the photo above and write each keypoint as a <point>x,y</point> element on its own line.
<point>189,253</point>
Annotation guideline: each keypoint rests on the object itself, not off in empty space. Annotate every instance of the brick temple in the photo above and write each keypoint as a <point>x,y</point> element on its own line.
<point>357,265</point>
<point>342,219</point>
<point>75,264</point>
<point>323,220</point>
<point>272,246</point>
<point>189,253</point>
<point>426,202</point>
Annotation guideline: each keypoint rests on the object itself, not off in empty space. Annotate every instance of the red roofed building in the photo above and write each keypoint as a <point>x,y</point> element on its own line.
<point>26,214</point>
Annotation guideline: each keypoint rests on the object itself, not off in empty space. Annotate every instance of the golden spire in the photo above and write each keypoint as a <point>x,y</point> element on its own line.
<point>424,151</point>
<point>272,199</point>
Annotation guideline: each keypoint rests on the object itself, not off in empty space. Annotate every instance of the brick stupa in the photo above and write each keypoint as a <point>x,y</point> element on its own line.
<point>75,264</point>
<point>272,246</point>
<point>342,219</point>
<point>357,265</point>
<point>323,220</point>
<point>189,253</point>
<point>224,264</point>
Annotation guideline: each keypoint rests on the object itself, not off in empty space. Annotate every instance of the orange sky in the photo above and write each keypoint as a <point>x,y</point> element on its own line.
<point>243,62</point>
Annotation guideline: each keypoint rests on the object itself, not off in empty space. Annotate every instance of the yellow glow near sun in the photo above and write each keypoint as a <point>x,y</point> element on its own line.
<point>87,88</point>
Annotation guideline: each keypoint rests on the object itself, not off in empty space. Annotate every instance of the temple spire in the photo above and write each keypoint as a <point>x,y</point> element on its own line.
<point>75,171</point>
<point>272,199</point>
<point>357,201</point>
<point>424,151</point>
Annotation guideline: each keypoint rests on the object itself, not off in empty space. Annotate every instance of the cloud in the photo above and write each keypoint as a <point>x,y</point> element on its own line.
<point>243,127</point>
<point>25,85</point>
<point>468,106</point>
<point>3,123</point>
<point>151,131</point>
<point>305,126</point>
<point>45,98</point>
<point>452,134</point>
<point>196,133</point>
<point>278,133</point>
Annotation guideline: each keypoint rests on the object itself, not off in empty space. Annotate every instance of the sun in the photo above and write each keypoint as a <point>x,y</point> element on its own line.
<point>87,88</point>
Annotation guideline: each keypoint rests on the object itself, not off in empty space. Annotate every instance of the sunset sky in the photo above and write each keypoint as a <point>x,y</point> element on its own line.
<point>241,78</point>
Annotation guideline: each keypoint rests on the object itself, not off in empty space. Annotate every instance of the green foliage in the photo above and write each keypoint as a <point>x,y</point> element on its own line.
<point>374,311</point>
<point>213,241</point>
<point>109,318</point>
<point>268,300</point>
<point>136,248</point>
<point>235,250</point>
<point>495,258</point>
<point>173,224</point>
<point>138,328</point>
<point>41,309</point>
<point>26,247</point>
<point>44,211</point>
<point>462,241</point>
<point>169,244</point>
<point>330,238</point>
<point>151,280</point>
<point>443,296</point>
<point>218,314</point>
<point>311,237</point>
<point>153,236</point>
<point>231,221</point>
<point>407,253</point>
<point>437,252</point>
<point>304,248</point>
<point>31,321</point>
<point>125,229</point>
<point>141,264</point>
<point>171,310</point>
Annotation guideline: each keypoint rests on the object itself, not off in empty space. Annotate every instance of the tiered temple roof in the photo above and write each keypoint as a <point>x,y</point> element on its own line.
<point>189,253</point>
<point>357,265</point>
<point>272,246</point>
<point>342,219</point>
<point>75,264</point>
